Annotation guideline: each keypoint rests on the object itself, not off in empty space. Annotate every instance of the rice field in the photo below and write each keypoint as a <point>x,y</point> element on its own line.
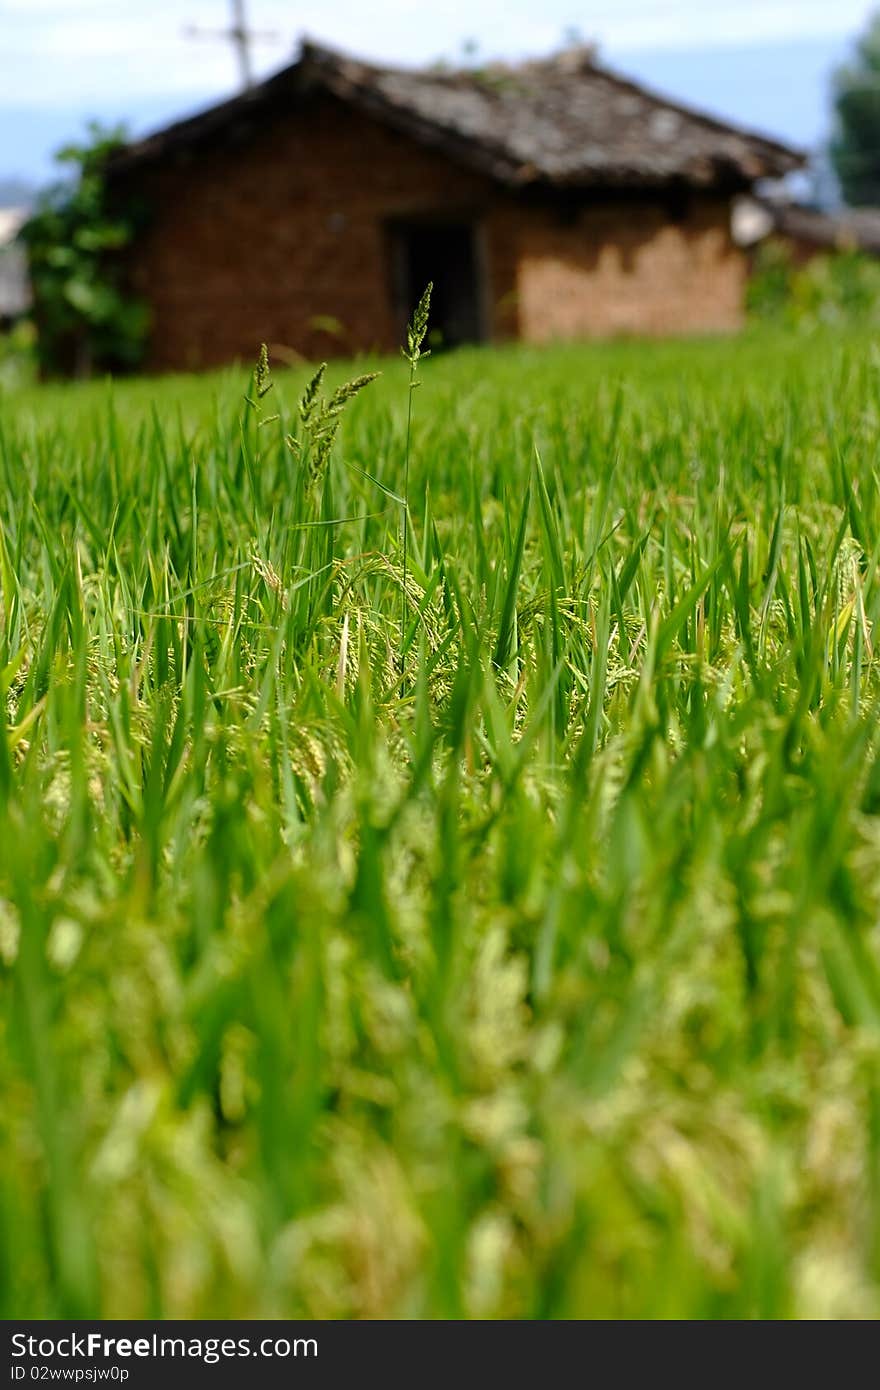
<point>490,929</point>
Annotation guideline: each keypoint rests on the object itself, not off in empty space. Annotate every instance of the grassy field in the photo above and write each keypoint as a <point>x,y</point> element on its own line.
<point>504,943</point>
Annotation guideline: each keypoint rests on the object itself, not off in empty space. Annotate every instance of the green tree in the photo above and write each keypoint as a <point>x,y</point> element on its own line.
<point>855,146</point>
<point>85,320</point>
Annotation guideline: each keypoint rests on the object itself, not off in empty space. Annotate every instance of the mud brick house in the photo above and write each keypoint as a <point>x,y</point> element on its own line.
<point>548,200</point>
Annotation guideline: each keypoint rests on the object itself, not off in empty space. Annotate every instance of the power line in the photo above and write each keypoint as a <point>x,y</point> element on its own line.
<point>240,36</point>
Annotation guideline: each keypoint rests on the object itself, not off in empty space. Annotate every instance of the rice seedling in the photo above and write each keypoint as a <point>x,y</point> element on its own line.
<point>545,983</point>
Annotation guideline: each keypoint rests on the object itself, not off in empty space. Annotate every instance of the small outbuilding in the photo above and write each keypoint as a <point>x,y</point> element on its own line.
<point>805,232</point>
<point>15,295</point>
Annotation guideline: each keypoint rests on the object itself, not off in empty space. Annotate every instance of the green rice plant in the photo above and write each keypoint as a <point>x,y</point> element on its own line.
<point>543,983</point>
<point>320,420</point>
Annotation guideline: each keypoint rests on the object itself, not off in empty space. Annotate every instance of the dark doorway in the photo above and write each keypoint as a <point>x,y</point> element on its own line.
<point>446,253</point>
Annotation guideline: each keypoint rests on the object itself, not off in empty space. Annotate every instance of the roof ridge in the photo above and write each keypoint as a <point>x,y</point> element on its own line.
<point>586,61</point>
<point>311,51</point>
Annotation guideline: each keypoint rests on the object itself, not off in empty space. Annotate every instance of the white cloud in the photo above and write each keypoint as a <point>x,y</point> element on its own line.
<point>691,24</point>
<point>57,52</point>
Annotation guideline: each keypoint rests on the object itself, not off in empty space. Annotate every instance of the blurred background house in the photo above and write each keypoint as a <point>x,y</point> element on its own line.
<point>546,200</point>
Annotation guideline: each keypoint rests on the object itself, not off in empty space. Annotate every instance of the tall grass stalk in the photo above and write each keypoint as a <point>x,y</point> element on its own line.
<point>412,352</point>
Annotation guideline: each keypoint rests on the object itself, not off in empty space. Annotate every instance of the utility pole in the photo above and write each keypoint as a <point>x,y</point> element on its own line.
<point>241,37</point>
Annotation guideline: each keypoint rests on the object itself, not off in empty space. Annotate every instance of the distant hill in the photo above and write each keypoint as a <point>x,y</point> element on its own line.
<point>16,193</point>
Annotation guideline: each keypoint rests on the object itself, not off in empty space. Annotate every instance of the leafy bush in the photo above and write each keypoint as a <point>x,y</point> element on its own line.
<point>841,288</point>
<point>17,351</point>
<point>769,290</point>
<point>85,320</point>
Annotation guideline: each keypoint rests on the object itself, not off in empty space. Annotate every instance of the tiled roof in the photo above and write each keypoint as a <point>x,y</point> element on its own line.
<point>564,121</point>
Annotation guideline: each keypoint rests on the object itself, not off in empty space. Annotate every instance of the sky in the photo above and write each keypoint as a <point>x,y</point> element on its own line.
<point>762,63</point>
